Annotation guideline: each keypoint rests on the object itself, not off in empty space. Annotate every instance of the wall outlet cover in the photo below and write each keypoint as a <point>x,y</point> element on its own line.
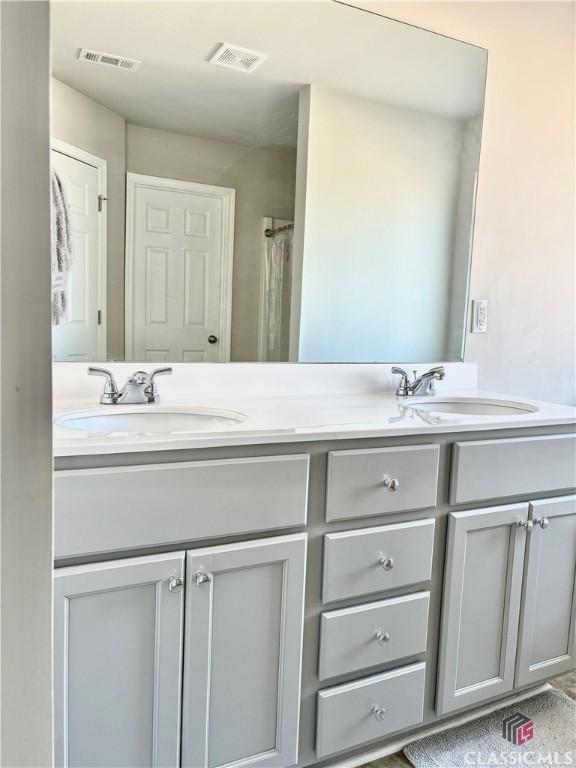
<point>479,316</point>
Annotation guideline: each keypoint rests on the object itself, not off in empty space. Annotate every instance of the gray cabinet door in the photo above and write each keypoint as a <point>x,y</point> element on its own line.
<point>483,583</point>
<point>117,662</point>
<point>242,650</point>
<point>547,644</point>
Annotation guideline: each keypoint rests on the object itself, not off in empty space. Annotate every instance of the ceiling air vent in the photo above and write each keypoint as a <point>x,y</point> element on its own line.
<point>241,59</point>
<point>108,60</point>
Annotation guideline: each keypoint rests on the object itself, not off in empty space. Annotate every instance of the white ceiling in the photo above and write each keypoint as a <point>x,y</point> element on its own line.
<point>324,43</point>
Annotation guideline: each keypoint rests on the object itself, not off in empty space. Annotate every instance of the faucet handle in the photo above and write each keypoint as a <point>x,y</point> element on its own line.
<point>110,392</point>
<point>160,372</point>
<point>404,384</point>
<point>151,379</point>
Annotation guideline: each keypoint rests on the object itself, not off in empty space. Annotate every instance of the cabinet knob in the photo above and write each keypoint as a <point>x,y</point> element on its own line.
<point>543,522</point>
<point>382,637</point>
<point>386,562</point>
<point>202,578</point>
<point>526,524</point>
<point>175,583</point>
<point>391,483</point>
<point>379,713</point>
<point>212,339</point>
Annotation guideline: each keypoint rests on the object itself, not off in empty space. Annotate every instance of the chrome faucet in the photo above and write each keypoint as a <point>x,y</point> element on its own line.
<point>139,388</point>
<point>421,385</point>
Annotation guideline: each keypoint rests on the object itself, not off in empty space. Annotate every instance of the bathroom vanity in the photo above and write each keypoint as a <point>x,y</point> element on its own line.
<point>280,565</point>
<point>303,597</point>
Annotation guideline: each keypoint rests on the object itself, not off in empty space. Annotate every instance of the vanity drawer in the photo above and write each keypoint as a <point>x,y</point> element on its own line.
<point>493,469</point>
<point>356,481</point>
<point>363,636</point>
<point>376,559</point>
<point>121,508</point>
<point>354,713</point>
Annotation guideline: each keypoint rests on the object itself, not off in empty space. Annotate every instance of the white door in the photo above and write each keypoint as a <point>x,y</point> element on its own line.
<point>179,245</point>
<point>80,336</point>
<point>242,653</point>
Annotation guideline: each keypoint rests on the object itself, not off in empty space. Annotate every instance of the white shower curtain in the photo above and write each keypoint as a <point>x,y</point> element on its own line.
<point>276,282</point>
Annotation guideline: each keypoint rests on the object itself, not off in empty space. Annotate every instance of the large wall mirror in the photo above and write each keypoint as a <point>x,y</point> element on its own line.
<point>273,181</point>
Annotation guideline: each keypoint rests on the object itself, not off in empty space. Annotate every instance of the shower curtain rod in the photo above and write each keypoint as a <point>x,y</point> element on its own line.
<point>271,232</point>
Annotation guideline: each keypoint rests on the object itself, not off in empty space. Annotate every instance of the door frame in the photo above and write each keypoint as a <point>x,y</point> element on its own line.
<point>228,197</point>
<point>101,166</point>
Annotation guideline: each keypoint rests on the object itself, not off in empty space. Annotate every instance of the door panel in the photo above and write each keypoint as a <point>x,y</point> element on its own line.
<point>482,587</point>
<point>79,336</point>
<point>178,262</point>
<point>118,650</point>
<point>243,646</point>
<point>547,635</point>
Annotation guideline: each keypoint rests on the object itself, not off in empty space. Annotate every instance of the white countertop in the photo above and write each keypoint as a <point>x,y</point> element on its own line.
<point>297,418</point>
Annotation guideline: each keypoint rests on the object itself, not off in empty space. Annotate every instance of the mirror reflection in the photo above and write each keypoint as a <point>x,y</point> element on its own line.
<point>260,181</point>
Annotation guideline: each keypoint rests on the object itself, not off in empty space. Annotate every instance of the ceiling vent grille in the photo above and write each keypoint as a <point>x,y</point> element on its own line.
<point>108,60</point>
<point>241,59</point>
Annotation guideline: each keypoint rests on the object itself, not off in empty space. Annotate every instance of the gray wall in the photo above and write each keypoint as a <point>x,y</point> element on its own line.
<point>25,389</point>
<point>382,188</point>
<point>84,123</point>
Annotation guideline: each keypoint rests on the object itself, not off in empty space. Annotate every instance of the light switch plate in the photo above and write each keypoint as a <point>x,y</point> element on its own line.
<point>479,316</point>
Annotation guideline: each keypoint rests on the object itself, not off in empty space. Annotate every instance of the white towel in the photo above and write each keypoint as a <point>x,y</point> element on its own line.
<point>61,248</point>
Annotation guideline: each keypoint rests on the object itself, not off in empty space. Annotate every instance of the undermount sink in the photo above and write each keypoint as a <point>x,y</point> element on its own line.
<point>473,406</point>
<point>149,422</point>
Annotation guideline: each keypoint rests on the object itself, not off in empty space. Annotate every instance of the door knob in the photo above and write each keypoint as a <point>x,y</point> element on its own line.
<point>543,522</point>
<point>392,483</point>
<point>202,578</point>
<point>212,339</point>
<point>382,637</point>
<point>175,583</point>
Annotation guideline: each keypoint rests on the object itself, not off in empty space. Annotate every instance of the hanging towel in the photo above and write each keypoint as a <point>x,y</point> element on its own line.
<point>61,248</point>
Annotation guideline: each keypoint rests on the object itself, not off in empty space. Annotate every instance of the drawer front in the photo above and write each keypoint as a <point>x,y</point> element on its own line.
<point>493,469</point>
<point>100,510</point>
<point>380,481</point>
<point>352,639</point>
<point>376,559</point>
<point>352,714</point>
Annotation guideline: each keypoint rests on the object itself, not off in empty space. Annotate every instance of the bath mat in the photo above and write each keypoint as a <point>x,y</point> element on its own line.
<point>540,731</point>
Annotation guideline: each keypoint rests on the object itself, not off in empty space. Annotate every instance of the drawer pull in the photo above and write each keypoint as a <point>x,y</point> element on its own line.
<point>391,483</point>
<point>202,578</point>
<point>379,713</point>
<point>382,637</point>
<point>386,562</point>
<point>543,522</point>
<point>175,583</point>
